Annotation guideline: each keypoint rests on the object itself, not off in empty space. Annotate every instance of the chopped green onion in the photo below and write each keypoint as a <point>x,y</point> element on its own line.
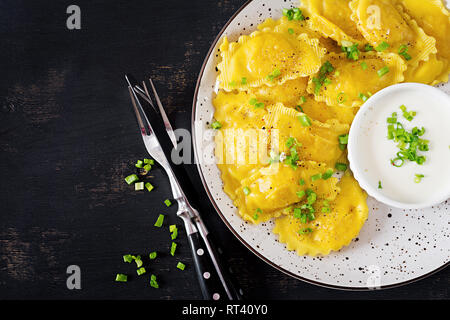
<point>403,51</point>
<point>152,255</point>
<point>341,98</point>
<point>316,177</point>
<point>418,178</point>
<point>300,193</point>
<point>160,221</point>
<point>153,281</point>
<point>364,65</point>
<point>181,265</point>
<point>173,247</point>
<point>379,185</point>
<point>167,202</point>
<point>149,161</point>
<point>139,164</point>
<point>325,210</point>
<point>244,80</point>
<point>131,178</point>
<point>305,231</point>
<point>351,50</point>
<point>368,47</point>
<point>138,261</point>
<point>216,125</point>
<point>291,31</point>
<point>246,190</point>
<point>383,71</point>
<point>302,99</point>
<point>382,46</point>
<point>328,174</point>
<point>149,186</point>
<point>363,97</point>
<point>302,181</point>
<point>293,14</point>
<point>304,120</point>
<point>120,277</point>
<point>274,74</point>
<point>174,234</point>
<point>128,258</point>
<point>340,166</point>
<point>138,186</point>
<point>141,271</point>
<point>147,167</point>
<point>256,215</point>
<point>343,139</point>
<point>322,79</point>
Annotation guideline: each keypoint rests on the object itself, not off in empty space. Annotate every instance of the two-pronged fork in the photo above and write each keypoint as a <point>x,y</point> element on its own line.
<point>214,281</point>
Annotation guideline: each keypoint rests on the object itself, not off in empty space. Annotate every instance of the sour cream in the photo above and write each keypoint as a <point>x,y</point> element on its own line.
<point>370,151</point>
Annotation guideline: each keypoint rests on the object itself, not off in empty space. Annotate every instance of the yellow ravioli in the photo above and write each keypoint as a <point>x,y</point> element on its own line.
<point>273,188</point>
<point>434,18</point>
<point>344,91</point>
<point>319,141</point>
<point>332,19</point>
<point>267,57</point>
<point>380,21</point>
<point>329,231</point>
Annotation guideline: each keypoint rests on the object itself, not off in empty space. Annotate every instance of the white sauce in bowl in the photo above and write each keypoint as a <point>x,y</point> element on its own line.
<point>370,151</point>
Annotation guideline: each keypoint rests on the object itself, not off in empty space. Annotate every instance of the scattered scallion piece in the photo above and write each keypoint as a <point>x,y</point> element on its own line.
<point>159,221</point>
<point>148,167</point>
<point>363,97</point>
<point>149,161</point>
<point>418,178</point>
<point>244,80</point>
<point>316,177</point>
<point>301,182</point>
<point>274,74</point>
<point>120,277</point>
<point>138,261</point>
<point>382,46</point>
<point>173,247</point>
<point>246,190</point>
<point>351,49</point>
<point>181,265</point>
<point>341,98</point>
<point>139,164</point>
<point>328,174</point>
<point>364,65</point>
<point>254,102</point>
<point>128,258</point>
<point>132,178</point>
<point>300,193</point>
<point>139,186</point>
<point>167,202</point>
<point>322,79</point>
<point>343,141</point>
<point>257,213</point>
<point>149,186</point>
<point>340,166</point>
<point>153,281</point>
<point>304,120</point>
<point>305,231</point>
<point>383,71</point>
<point>293,14</point>
<point>152,255</point>
<point>403,51</point>
<point>368,47</point>
<point>141,271</point>
<point>216,125</point>
<point>379,185</point>
<point>291,31</point>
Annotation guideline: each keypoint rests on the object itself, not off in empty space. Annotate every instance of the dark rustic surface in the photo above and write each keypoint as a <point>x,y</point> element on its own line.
<point>68,137</point>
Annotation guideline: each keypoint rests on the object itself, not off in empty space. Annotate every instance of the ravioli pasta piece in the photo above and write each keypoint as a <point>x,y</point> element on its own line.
<point>288,93</point>
<point>284,25</point>
<point>344,91</point>
<point>273,188</point>
<point>380,21</point>
<point>434,18</point>
<point>267,57</point>
<point>332,19</point>
<point>319,141</point>
<point>323,113</point>
<point>329,231</point>
<point>236,156</point>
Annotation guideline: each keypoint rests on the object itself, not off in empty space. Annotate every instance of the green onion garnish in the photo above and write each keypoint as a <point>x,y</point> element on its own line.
<point>382,46</point>
<point>300,193</point>
<point>291,31</point>
<point>351,50</point>
<point>181,265</point>
<point>167,202</point>
<point>174,230</point>
<point>120,277</point>
<point>328,174</point>
<point>216,125</point>
<point>343,139</point>
<point>383,71</point>
<point>316,177</point>
<point>141,271</point>
<point>364,65</point>
<point>340,166</point>
<point>128,258</point>
<point>149,161</point>
<point>138,186</point>
<point>305,231</point>
<point>173,247</point>
<point>153,281</point>
<point>256,215</point>
<point>293,14</point>
<point>139,164</point>
<point>160,221</point>
<point>131,178</point>
<point>147,167</point>
<point>304,120</point>
<point>274,74</point>
<point>403,51</point>
<point>418,177</point>
<point>149,186</point>
<point>363,97</point>
<point>152,255</point>
<point>301,182</point>
<point>246,190</point>
<point>341,98</point>
<point>244,80</point>
<point>322,79</point>
<point>254,102</point>
<point>138,261</point>
<point>368,47</point>
<point>379,185</point>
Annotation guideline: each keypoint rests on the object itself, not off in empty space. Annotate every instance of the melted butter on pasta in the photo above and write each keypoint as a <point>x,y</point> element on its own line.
<point>343,82</point>
<point>332,19</point>
<point>434,19</point>
<point>330,231</point>
<point>380,21</point>
<point>274,188</point>
<point>267,57</point>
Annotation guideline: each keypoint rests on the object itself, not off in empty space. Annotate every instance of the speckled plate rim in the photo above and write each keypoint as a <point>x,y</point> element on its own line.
<point>222,216</point>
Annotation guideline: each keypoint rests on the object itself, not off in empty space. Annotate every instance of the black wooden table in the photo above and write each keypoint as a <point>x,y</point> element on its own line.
<point>68,138</point>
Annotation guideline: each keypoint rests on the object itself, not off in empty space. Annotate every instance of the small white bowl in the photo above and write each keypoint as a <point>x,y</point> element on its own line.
<point>369,150</point>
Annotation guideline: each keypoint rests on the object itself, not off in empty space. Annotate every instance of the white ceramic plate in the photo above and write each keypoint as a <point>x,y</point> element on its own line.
<point>394,247</point>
